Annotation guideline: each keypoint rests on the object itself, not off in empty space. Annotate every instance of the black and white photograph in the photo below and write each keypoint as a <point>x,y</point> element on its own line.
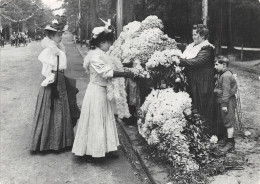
<point>130,91</point>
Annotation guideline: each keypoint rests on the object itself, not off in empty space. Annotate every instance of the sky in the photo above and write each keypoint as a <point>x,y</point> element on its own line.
<point>54,4</point>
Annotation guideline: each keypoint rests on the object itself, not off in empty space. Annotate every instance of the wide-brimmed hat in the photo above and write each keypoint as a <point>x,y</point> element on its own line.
<point>56,26</point>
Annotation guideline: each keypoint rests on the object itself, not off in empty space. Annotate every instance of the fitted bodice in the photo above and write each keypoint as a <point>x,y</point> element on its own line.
<point>98,66</point>
<point>97,78</point>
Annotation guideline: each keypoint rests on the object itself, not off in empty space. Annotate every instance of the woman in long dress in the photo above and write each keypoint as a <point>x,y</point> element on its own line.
<point>52,124</point>
<point>96,132</point>
<point>198,60</point>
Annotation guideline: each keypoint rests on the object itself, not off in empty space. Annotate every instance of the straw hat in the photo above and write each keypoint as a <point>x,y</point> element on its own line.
<point>56,26</point>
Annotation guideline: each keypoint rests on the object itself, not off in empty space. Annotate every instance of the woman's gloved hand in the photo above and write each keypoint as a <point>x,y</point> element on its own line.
<point>123,74</point>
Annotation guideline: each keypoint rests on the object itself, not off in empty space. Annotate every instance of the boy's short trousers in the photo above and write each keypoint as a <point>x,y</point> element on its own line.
<point>229,117</point>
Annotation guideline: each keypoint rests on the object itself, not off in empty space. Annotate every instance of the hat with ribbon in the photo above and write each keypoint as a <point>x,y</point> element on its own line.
<point>108,28</point>
<point>57,26</point>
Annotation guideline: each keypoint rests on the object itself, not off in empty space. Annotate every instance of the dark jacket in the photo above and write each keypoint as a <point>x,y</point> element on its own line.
<point>200,75</point>
<point>226,87</point>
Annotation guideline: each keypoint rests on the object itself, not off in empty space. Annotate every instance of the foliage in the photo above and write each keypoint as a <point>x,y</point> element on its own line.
<point>83,17</point>
<point>20,9</point>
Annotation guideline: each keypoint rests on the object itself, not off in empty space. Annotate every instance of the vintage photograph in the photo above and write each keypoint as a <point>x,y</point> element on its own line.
<point>130,91</point>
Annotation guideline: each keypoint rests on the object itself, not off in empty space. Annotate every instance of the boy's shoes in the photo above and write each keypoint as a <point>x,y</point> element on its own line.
<point>222,142</point>
<point>229,147</point>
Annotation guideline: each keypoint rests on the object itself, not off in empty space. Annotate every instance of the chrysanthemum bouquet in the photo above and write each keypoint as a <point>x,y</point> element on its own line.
<point>163,67</point>
<point>138,41</point>
<point>162,123</point>
<point>177,136</point>
<point>116,89</point>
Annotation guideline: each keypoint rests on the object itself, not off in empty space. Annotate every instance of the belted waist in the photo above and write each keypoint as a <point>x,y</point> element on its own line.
<point>98,84</point>
<point>62,71</point>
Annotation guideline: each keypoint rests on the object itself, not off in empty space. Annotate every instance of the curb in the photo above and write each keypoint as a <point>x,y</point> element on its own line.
<point>79,51</point>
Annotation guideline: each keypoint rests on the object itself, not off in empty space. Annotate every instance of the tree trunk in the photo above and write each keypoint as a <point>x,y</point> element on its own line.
<point>119,17</point>
<point>230,43</point>
<point>93,14</point>
<point>219,27</point>
<point>10,31</point>
<point>23,26</point>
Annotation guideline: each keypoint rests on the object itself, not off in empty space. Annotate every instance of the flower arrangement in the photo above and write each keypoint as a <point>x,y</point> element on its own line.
<point>162,123</point>
<point>138,70</point>
<point>163,66</point>
<point>138,41</point>
<point>151,22</point>
<point>116,89</point>
<point>169,123</point>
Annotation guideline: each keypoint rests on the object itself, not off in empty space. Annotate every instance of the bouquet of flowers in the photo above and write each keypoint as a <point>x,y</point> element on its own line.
<point>163,67</point>
<point>138,70</point>
<point>169,123</point>
<point>162,123</point>
<point>129,32</point>
<point>138,41</point>
<point>116,89</point>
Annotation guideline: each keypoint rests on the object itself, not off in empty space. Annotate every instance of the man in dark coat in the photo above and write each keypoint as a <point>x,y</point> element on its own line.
<point>198,60</point>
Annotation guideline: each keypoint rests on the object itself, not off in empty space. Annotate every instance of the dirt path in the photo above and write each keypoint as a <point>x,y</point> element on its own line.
<point>19,85</point>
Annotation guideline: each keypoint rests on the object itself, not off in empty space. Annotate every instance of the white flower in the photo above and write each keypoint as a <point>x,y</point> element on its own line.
<point>247,133</point>
<point>116,89</point>
<point>214,139</point>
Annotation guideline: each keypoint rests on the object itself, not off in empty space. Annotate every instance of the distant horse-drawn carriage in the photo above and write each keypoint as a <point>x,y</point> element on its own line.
<point>18,39</point>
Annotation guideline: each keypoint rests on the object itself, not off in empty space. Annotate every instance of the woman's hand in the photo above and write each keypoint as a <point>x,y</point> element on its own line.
<point>123,74</point>
<point>129,74</point>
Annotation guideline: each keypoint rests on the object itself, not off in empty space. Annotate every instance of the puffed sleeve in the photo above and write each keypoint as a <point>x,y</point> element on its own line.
<point>47,58</point>
<point>201,59</point>
<point>48,61</point>
<point>101,67</point>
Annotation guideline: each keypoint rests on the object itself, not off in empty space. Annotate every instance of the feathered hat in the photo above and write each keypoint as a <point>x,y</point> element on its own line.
<point>108,28</point>
<point>59,25</point>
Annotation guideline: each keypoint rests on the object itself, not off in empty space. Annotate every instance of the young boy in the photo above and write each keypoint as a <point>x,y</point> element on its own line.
<point>225,89</point>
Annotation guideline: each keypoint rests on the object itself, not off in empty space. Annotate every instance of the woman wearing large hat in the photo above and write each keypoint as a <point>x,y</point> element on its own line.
<point>52,124</point>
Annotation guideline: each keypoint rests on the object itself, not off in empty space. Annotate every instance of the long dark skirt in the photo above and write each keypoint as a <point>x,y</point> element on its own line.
<point>52,126</point>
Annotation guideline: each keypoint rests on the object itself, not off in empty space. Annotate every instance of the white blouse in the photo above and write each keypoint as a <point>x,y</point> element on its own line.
<point>99,66</point>
<point>48,58</point>
<point>192,50</point>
